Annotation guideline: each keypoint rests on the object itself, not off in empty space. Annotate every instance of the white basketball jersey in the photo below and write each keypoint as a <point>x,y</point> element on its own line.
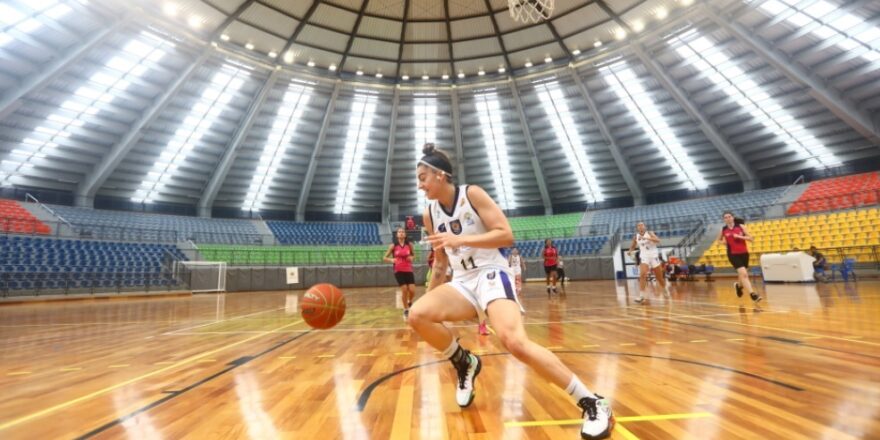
<point>464,220</point>
<point>515,264</point>
<point>646,246</point>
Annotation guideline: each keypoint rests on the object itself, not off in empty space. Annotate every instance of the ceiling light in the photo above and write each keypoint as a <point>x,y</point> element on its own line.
<point>638,25</point>
<point>501,70</point>
<point>170,9</point>
<point>332,67</point>
<point>686,2</point>
<point>214,43</point>
<point>576,52</point>
<point>249,46</point>
<point>528,64</point>
<point>461,75</point>
<point>661,13</point>
<point>288,57</point>
<point>311,63</point>
<point>224,37</point>
<point>405,77</point>
<point>195,22</point>
<point>425,77</point>
<point>598,43</point>
<point>359,72</point>
<point>378,75</point>
<point>620,34</point>
<point>548,60</point>
<point>444,77</point>
<point>481,72</point>
<point>272,54</point>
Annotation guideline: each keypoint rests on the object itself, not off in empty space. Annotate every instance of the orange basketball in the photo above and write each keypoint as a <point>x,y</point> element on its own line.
<point>323,306</point>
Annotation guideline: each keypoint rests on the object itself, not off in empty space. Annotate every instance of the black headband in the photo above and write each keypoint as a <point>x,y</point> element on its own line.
<point>437,163</point>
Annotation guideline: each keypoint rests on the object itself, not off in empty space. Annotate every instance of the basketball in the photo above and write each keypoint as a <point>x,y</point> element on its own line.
<point>323,306</point>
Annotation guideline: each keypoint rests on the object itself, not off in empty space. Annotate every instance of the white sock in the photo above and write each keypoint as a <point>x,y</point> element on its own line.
<point>577,389</point>
<point>451,349</point>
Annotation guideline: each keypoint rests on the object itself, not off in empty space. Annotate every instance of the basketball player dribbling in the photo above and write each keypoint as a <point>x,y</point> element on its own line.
<point>467,229</point>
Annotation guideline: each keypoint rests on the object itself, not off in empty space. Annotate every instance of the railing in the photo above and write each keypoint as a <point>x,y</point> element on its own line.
<point>685,247</point>
<point>84,280</point>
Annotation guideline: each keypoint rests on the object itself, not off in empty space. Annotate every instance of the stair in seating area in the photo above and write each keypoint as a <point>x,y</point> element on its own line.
<point>15,219</point>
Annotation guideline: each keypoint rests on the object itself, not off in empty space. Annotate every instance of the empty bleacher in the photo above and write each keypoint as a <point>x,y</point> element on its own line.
<point>545,226</point>
<point>848,234</point>
<point>565,246</point>
<point>46,263</point>
<point>135,226</point>
<point>293,255</point>
<point>16,219</point>
<point>679,218</point>
<point>325,233</point>
<point>838,193</point>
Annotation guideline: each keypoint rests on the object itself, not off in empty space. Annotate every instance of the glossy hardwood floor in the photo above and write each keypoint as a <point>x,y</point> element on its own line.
<point>702,365</point>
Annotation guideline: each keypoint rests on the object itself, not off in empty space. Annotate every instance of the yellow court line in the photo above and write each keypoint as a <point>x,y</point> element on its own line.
<point>365,354</point>
<point>663,342</point>
<point>650,418</point>
<point>590,346</point>
<point>779,329</point>
<point>403,353</point>
<point>105,390</point>
<point>286,357</point>
<point>18,373</point>
<point>118,366</point>
<point>70,369</point>
<point>625,432</point>
<point>698,340</point>
<point>627,344</point>
<point>325,356</point>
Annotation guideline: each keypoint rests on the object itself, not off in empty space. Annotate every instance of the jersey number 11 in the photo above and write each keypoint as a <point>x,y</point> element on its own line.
<point>465,262</point>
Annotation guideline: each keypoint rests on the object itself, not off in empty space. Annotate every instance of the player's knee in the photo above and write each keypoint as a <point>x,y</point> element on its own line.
<point>418,316</point>
<point>515,344</point>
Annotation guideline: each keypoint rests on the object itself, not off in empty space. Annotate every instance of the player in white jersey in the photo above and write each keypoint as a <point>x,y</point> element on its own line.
<point>518,266</point>
<point>649,257</point>
<point>467,230</point>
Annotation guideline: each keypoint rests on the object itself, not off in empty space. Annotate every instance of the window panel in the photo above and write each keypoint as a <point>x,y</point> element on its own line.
<point>629,89</point>
<point>488,112</point>
<point>363,111</point>
<point>748,94</point>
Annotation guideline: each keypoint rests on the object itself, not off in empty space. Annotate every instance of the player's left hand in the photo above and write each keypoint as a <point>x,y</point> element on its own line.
<point>445,240</point>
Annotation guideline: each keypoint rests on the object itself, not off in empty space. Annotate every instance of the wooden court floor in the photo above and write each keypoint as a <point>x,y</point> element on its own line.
<point>701,365</point>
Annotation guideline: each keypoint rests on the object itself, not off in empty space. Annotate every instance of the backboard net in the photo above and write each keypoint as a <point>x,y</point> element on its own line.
<point>531,11</point>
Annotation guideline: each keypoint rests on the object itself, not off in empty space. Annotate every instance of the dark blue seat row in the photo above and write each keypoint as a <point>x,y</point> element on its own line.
<point>325,233</point>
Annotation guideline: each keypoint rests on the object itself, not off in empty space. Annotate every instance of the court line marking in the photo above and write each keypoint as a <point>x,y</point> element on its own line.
<point>18,373</point>
<point>93,394</point>
<point>647,418</point>
<point>378,329</point>
<point>222,320</point>
<point>626,433</point>
<point>765,327</point>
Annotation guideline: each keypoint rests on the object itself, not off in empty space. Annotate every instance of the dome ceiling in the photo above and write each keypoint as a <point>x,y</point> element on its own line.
<point>414,38</point>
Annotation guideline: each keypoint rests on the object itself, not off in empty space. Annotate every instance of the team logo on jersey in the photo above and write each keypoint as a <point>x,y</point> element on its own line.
<point>455,226</point>
<point>490,275</point>
<point>441,227</point>
<point>468,219</point>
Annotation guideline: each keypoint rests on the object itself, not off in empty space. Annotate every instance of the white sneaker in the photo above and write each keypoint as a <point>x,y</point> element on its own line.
<point>640,300</point>
<point>666,293</point>
<point>598,418</point>
<point>464,390</point>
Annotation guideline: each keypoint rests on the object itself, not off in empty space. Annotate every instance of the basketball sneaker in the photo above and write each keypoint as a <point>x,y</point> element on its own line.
<point>467,374</point>
<point>739,289</point>
<point>640,299</point>
<point>598,418</point>
<point>666,293</point>
<point>484,329</point>
<point>756,298</point>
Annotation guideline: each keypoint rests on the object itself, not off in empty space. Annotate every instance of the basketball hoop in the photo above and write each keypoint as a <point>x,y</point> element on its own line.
<point>531,11</point>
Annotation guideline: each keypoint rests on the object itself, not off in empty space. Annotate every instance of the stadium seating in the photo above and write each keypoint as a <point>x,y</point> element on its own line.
<point>541,227</point>
<point>298,255</point>
<point>45,263</point>
<point>679,218</point>
<point>566,246</point>
<point>848,234</point>
<point>119,225</point>
<point>325,233</point>
<point>17,220</point>
<point>838,193</point>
